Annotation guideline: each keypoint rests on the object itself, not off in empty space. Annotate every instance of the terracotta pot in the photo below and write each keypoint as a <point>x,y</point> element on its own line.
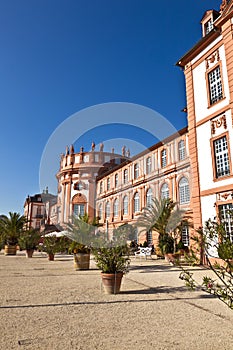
<point>82,261</point>
<point>111,282</point>
<point>10,250</point>
<point>29,253</point>
<point>51,257</point>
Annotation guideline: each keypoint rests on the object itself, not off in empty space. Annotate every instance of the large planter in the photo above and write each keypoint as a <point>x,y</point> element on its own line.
<point>10,250</point>
<point>82,261</point>
<point>29,253</point>
<point>111,282</point>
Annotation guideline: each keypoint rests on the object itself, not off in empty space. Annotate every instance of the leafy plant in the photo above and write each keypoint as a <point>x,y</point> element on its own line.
<point>11,227</point>
<point>215,236</point>
<point>81,231</point>
<point>29,239</point>
<point>166,244</point>
<point>112,259</point>
<point>75,247</point>
<point>164,217</point>
<point>53,244</point>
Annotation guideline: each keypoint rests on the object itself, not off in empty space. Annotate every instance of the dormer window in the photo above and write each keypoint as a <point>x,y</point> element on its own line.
<point>209,26</point>
<point>207,21</point>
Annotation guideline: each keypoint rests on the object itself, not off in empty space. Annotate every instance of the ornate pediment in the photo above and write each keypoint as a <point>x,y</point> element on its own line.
<point>226,6</point>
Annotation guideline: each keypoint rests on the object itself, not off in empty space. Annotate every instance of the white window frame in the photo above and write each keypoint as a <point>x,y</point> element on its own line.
<point>136,171</point>
<point>163,158</point>
<point>215,85</point>
<point>125,205</point>
<point>79,209</point>
<point>185,235</point>
<point>136,201</point>
<point>148,165</point>
<point>149,196</point>
<point>165,191</point>
<point>107,210</point>
<point>226,218</point>
<point>125,176</point>
<point>116,207</point>
<point>108,184</point>
<point>184,192</point>
<point>181,150</point>
<point>221,157</point>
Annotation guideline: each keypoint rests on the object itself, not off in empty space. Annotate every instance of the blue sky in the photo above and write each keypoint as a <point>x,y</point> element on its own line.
<point>59,57</point>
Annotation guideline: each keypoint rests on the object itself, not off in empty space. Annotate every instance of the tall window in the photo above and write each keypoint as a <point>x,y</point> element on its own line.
<point>136,202</point>
<point>101,186</point>
<point>38,211</point>
<point>149,237</point>
<point>225,212</point>
<point>149,196</point>
<point>100,211</point>
<point>185,235</point>
<point>125,205</point>
<point>222,164</point>
<point>148,165</point>
<point>163,158</point>
<point>181,150</point>
<point>125,176</point>
<point>115,207</point>
<point>184,194</point>
<point>215,85</point>
<point>165,191</point>
<point>79,209</point>
<point>107,210</point>
<point>116,180</point>
<point>108,183</point>
<point>136,171</point>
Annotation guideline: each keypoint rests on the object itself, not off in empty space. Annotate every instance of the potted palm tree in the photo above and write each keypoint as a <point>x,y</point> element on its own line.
<point>29,240</point>
<point>164,217</point>
<point>52,245</point>
<point>113,261</point>
<point>81,254</point>
<point>82,232</point>
<point>11,227</point>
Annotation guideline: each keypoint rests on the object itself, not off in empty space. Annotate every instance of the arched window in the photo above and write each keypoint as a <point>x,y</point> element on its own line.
<point>115,207</point>
<point>165,191</point>
<point>116,180</point>
<point>107,210</point>
<point>184,194</point>
<point>149,196</point>
<point>100,212</point>
<point>181,150</point>
<point>79,203</point>
<point>108,183</point>
<point>101,186</point>
<point>125,176</point>
<point>136,202</point>
<point>148,165</point>
<point>163,158</point>
<point>125,205</point>
<point>136,171</point>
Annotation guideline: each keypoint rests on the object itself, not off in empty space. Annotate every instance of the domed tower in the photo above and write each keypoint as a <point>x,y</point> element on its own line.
<point>77,179</point>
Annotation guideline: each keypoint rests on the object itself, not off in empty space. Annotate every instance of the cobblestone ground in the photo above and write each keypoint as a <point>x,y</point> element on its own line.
<point>49,305</point>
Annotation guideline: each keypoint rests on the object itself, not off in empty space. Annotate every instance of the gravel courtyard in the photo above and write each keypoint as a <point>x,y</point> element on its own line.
<point>49,305</point>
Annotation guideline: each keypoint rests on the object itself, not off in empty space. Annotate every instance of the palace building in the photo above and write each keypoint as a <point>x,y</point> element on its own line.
<point>208,70</point>
<point>192,167</point>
